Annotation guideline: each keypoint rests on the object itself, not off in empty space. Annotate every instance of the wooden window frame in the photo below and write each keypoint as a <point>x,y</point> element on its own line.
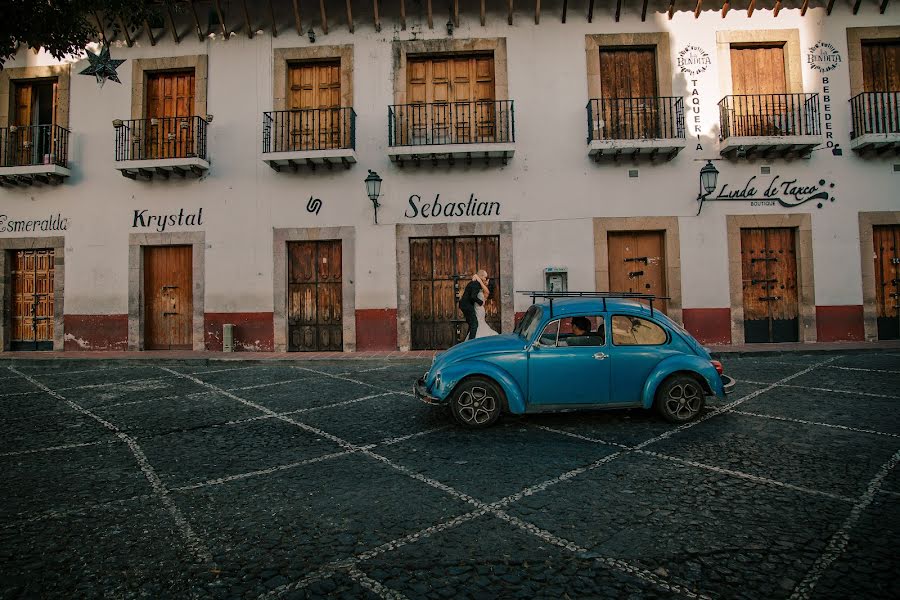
<point>855,37</point>
<point>141,67</point>
<point>793,71</point>
<point>657,40</point>
<point>282,57</point>
<point>10,76</point>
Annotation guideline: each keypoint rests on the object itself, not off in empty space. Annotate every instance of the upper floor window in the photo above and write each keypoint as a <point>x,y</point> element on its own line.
<point>881,66</point>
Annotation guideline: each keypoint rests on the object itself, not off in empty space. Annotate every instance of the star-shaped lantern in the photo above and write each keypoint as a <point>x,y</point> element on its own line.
<point>102,66</point>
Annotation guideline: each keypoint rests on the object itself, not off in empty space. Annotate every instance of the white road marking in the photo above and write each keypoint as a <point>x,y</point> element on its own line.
<point>162,493</point>
<point>376,587</point>
<point>818,389</point>
<point>838,542</point>
<point>309,409</point>
<point>357,381</point>
<point>817,423</point>
<point>275,469</point>
<point>265,385</point>
<point>581,437</point>
<point>403,438</point>
<point>861,369</point>
<point>54,448</point>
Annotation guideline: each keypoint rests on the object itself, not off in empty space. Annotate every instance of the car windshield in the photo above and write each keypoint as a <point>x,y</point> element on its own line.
<point>529,323</point>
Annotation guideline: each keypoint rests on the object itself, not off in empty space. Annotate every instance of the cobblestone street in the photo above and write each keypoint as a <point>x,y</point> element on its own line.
<point>327,478</point>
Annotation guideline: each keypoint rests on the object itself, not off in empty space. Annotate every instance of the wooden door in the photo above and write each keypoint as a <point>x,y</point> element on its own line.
<point>769,282</point>
<point>32,278</point>
<point>460,92</point>
<point>170,106</point>
<point>628,93</point>
<point>881,66</point>
<point>759,84</point>
<point>440,269</point>
<point>314,89</point>
<point>168,298</point>
<point>315,311</point>
<point>886,240</point>
<point>637,263</point>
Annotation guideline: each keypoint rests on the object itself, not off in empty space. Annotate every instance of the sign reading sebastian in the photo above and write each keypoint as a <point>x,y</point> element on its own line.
<point>434,209</point>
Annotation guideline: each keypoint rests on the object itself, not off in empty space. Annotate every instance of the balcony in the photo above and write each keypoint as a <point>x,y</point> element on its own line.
<point>451,131</point>
<point>767,125</point>
<point>635,128</point>
<point>319,136</point>
<point>32,154</point>
<point>876,122</point>
<point>161,147</point>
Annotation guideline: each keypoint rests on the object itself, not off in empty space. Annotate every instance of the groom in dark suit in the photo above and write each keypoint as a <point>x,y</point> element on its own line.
<point>467,305</point>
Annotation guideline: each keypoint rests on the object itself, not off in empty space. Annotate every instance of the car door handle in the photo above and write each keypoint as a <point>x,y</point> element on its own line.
<point>600,356</point>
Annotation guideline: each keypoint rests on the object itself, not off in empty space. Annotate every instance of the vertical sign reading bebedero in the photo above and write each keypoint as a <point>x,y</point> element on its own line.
<point>824,58</point>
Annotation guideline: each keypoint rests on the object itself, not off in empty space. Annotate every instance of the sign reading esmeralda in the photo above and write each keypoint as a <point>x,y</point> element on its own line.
<point>144,219</point>
<point>788,193</point>
<point>52,223</point>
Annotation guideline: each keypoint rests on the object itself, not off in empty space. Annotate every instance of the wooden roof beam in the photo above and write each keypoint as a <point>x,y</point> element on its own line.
<point>591,12</point>
<point>884,4</point>
<point>403,14</point>
<point>671,8</point>
<point>149,32</point>
<point>537,12</point>
<point>128,39</point>
<point>482,13</point>
<point>324,16</point>
<point>430,16</point>
<point>221,18</point>
<point>175,35</point>
<point>804,8</point>
<point>509,11</point>
<point>644,11</point>
<point>274,22</point>
<point>297,21</point>
<point>247,20</point>
<point>456,13</point>
<point>349,17</point>
<point>830,6</point>
<point>697,9</point>
<point>100,28</point>
<point>856,6</point>
<point>376,15</point>
<point>725,6</point>
<point>777,8</point>
<point>618,9</point>
<point>196,20</point>
<point>750,8</point>
<point>565,8</point>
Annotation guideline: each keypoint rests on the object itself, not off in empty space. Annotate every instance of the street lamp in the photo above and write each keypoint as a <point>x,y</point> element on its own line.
<point>373,189</point>
<point>708,178</point>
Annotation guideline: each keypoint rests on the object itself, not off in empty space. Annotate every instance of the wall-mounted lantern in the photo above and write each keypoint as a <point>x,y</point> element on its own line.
<point>709,176</point>
<point>311,35</point>
<point>450,28</point>
<point>373,189</point>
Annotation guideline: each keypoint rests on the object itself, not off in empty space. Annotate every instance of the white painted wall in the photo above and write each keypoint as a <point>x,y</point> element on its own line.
<point>550,189</point>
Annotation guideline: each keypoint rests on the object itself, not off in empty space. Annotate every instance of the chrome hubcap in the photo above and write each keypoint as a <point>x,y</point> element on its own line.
<point>476,405</point>
<point>683,400</point>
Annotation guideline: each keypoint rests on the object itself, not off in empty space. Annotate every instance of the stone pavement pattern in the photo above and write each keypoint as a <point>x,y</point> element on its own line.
<point>327,479</point>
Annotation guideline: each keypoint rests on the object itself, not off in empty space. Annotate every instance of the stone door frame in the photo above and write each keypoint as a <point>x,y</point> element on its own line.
<point>867,220</point>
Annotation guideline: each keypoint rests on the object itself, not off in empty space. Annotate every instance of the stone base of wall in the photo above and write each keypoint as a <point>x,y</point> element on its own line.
<point>253,331</point>
<point>708,325</point>
<point>840,323</point>
<point>96,332</point>
<point>376,329</point>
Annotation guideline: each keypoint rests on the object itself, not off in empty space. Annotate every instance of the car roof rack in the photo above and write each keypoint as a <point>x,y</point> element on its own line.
<point>534,294</point>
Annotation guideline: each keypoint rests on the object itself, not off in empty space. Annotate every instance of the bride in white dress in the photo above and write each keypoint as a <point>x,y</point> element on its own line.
<point>484,330</point>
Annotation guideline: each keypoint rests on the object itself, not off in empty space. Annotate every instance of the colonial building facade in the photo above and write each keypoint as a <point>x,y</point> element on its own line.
<point>739,160</point>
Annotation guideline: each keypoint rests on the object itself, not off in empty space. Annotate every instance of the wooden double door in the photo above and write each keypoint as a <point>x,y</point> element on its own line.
<point>440,269</point>
<point>886,240</point>
<point>32,277</point>
<point>168,297</point>
<point>769,282</point>
<point>170,108</point>
<point>315,311</point>
<point>637,263</point>
<point>759,86</point>
<point>316,121</point>
<point>629,105</point>
<point>34,116</point>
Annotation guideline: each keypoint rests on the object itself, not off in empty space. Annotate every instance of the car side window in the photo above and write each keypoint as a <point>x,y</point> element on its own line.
<point>586,330</point>
<point>549,334</point>
<point>635,331</point>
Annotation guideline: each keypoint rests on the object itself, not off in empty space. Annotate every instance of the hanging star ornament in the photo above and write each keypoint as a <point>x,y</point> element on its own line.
<point>102,66</point>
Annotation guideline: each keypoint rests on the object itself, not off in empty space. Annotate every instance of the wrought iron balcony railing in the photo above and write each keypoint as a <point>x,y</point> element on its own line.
<point>161,138</point>
<point>769,115</point>
<point>438,123</point>
<point>875,112</point>
<point>309,129</point>
<point>30,145</point>
<point>635,118</point>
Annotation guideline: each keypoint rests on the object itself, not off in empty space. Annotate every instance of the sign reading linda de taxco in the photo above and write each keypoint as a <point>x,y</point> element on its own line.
<point>772,191</point>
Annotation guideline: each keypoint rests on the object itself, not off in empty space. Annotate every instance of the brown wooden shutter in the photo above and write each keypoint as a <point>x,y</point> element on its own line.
<point>315,87</point>
<point>628,88</point>
<point>881,66</point>
<point>758,70</point>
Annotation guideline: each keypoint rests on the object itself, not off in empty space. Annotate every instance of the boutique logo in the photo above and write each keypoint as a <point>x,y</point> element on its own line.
<point>693,60</point>
<point>823,57</point>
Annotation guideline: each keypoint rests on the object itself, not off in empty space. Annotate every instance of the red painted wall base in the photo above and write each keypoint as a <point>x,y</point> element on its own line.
<point>708,325</point>
<point>840,323</point>
<point>376,329</point>
<point>95,332</point>
<point>253,332</point>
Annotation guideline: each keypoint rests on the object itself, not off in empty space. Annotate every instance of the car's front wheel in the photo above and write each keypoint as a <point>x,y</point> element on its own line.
<point>680,399</point>
<point>477,402</point>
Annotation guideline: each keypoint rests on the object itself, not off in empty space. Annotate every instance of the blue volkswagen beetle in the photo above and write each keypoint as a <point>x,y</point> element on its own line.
<point>577,351</point>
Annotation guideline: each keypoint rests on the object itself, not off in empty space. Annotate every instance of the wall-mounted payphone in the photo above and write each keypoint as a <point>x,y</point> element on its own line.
<point>556,279</point>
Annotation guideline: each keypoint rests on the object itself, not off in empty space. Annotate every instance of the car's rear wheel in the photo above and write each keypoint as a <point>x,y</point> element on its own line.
<point>477,402</point>
<point>680,399</point>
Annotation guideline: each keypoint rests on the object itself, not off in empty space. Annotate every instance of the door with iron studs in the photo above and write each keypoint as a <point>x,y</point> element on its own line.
<point>637,263</point>
<point>769,283</point>
<point>887,280</point>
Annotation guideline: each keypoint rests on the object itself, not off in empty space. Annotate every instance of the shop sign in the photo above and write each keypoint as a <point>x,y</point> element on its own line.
<point>787,193</point>
<point>693,60</point>
<point>53,223</point>
<point>823,57</point>
<point>436,209</point>
<point>145,220</point>
<point>314,205</point>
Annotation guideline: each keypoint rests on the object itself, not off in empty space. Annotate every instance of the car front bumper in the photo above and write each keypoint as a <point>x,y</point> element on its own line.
<point>421,392</point>
<point>728,383</point>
